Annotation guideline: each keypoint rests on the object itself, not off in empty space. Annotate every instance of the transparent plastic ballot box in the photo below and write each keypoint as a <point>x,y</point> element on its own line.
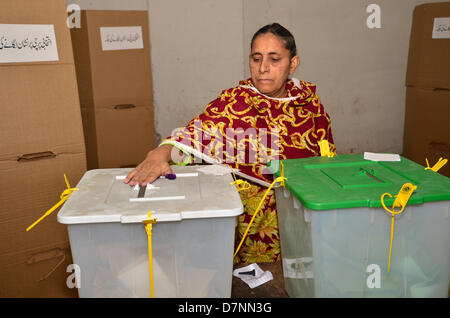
<point>335,234</point>
<point>192,239</point>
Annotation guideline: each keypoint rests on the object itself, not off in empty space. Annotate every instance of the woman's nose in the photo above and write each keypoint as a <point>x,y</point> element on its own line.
<point>264,66</point>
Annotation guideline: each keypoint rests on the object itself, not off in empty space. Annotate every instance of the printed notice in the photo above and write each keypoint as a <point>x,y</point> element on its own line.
<point>441,28</point>
<point>121,38</point>
<point>27,43</point>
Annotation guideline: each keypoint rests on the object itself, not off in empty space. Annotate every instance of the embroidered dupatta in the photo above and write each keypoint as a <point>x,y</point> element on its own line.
<point>245,129</point>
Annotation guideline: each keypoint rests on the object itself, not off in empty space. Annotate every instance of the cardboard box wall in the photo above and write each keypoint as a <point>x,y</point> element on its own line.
<point>427,133</point>
<point>38,272</point>
<point>428,59</point>
<point>116,86</point>
<point>117,137</point>
<point>40,12</point>
<point>41,139</point>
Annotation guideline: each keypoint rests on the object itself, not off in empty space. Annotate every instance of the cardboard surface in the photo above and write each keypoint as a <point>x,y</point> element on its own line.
<point>39,272</point>
<point>428,62</point>
<point>41,139</point>
<point>115,90</point>
<point>27,191</point>
<point>433,154</point>
<point>40,12</point>
<point>426,132</point>
<point>117,137</point>
<point>40,103</point>
<point>107,78</point>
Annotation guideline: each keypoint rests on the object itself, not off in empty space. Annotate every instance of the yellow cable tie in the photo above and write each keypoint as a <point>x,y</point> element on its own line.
<point>325,149</point>
<point>282,178</point>
<point>438,165</point>
<point>281,183</point>
<point>64,196</point>
<point>400,202</point>
<point>148,228</point>
<point>240,184</point>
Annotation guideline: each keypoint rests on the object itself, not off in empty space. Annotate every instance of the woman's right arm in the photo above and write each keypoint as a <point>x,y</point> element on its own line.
<point>156,164</point>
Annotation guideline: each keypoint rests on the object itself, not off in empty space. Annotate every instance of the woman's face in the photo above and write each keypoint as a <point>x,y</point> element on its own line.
<point>270,65</point>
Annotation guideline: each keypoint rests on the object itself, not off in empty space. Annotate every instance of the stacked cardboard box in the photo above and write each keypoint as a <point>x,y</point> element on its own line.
<point>112,58</point>
<point>427,114</point>
<point>41,140</point>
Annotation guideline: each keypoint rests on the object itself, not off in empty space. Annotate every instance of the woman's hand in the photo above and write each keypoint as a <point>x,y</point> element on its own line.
<point>156,164</point>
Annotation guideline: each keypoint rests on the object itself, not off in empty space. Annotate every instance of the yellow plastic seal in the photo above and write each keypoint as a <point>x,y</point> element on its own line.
<point>240,184</point>
<point>438,165</point>
<point>148,223</point>
<point>400,202</point>
<point>64,196</point>
<point>278,182</point>
<point>325,149</point>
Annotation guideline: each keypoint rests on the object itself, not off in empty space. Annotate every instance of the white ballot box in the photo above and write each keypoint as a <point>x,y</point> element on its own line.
<point>192,240</point>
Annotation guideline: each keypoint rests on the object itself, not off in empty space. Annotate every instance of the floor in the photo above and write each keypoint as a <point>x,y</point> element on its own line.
<point>271,289</point>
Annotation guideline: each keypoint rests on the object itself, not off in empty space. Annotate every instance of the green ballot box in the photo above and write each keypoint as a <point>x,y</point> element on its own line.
<point>336,235</point>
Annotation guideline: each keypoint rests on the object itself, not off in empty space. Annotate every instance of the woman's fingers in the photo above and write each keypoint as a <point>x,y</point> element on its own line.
<point>141,177</point>
<point>149,178</point>
<point>130,176</point>
<point>154,165</point>
<point>146,174</point>
<point>167,170</point>
<point>154,174</point>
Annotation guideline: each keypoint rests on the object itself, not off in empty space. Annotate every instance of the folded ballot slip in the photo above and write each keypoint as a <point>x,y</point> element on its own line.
<point>372,156</point>
<point>260,277</point>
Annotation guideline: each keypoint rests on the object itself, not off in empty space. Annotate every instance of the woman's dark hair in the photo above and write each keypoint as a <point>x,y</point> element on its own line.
<point>282,33</point>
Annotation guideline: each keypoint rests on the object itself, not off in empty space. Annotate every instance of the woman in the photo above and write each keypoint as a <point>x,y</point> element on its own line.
<point>266,117</point>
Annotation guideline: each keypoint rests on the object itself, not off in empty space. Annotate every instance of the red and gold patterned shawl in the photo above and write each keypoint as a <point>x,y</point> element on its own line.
<point>245,129</point>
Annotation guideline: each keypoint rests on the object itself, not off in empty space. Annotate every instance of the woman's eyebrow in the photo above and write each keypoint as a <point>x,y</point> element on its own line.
<point>270,53</point>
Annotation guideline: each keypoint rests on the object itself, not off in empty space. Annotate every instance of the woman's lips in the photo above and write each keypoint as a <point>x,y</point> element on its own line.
<point>264,80</point>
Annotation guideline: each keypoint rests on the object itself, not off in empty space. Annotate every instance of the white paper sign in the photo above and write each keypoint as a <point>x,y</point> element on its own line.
<point>381,156</point>
<point>27,43</point>
<point>121,38</point>
<point>441,28</point>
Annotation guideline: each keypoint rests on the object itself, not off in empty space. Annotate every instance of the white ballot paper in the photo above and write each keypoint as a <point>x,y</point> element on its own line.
<point>381,156</point>
<point>260,277</point>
